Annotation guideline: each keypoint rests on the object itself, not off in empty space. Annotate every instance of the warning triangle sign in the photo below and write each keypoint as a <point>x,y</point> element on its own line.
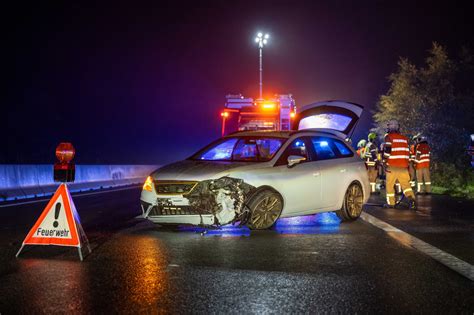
<point>58,224</point>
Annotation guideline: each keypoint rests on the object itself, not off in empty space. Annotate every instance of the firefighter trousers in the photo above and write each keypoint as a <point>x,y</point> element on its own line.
<point>403,177</point>
<point>423,180</point>
<point>372,172</point>
<point>412,171</point>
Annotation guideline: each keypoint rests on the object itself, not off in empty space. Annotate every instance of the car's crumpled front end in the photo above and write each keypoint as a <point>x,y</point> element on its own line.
<point>207,202</point>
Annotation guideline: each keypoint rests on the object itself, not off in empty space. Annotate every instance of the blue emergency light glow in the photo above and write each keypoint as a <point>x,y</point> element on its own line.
<point>326,222</point>
<point>327,218</point>
<point>321,223</point>
<point>320,219</point>
<point>223,231</point>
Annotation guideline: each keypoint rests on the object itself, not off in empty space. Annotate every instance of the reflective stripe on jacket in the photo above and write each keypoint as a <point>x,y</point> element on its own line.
<point>396,151</point>
<point>370,154</point>
<point>423,152</point>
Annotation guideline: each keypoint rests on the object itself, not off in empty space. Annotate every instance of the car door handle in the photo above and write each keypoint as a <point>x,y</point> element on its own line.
<point>316,174</point>
<point>342,170</point>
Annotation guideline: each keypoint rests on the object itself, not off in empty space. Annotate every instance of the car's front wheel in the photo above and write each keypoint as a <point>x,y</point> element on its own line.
<point>265,209</point>
<point>353,202</point>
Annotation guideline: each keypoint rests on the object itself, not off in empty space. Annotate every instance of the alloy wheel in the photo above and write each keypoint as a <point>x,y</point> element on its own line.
<point>266,212</point>
<point>354,200</point>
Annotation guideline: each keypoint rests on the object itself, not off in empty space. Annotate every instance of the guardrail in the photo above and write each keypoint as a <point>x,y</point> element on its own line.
<point>36,180</point>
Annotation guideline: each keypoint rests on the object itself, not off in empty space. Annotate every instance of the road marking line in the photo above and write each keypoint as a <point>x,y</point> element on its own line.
<point>74,193</point>
<point>450,261</point>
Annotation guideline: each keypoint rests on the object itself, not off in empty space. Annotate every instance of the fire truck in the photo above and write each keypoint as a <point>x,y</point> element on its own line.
<point>245,113</point>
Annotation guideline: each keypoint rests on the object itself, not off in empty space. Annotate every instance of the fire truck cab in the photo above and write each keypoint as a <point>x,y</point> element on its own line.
<point>245,113</point>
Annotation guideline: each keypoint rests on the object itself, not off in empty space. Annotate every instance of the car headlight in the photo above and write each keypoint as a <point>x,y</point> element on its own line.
<point>148,185</point>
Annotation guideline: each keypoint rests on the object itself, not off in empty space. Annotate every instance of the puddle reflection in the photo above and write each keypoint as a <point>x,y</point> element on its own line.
<point>143,278</point>
<point>129,274</point>
<point>52,286</point>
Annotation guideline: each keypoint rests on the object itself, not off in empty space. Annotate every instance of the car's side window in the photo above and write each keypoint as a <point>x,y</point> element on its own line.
<point>296,147</point>
<point>323,148</point>
<point>344,151</point>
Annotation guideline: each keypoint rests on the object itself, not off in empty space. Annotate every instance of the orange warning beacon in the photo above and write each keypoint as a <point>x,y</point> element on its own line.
<point>64,170</point>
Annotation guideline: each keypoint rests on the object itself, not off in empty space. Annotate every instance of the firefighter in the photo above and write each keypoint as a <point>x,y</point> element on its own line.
<point>422,160</point>
<point>411,165</point>
<point>396,155</point>
<point>381,164</point>
<point>370,156</point>
<point>361,148</point>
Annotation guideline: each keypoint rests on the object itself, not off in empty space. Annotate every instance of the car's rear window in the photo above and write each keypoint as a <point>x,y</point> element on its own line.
<point>343,149</point>
<point>243,149</point>
<point>327,121</point>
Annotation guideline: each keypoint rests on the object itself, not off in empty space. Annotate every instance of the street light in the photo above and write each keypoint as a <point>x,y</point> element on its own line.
<point>261,40</point>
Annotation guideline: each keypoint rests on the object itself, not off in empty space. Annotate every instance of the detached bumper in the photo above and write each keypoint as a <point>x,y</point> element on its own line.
<point>207,219</point>
<point>149,211</point>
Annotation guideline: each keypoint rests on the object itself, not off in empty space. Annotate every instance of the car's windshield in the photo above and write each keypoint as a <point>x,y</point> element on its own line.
<point>243,149</point>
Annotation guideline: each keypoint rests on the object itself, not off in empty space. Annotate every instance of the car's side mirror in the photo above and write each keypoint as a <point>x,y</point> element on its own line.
<point>295,159</point>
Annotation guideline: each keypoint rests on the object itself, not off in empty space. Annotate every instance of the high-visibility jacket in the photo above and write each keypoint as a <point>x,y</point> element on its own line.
<point>370,154</point>
<point>396,151</point>
<point>379,157</point>
<point>423,152</point>
<point>361,152</point>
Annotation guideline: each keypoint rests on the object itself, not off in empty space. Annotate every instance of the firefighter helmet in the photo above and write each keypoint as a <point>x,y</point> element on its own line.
<point>372,136</point>
<point>415,137</point>
<point>361,143</point>
<point>393,125</point>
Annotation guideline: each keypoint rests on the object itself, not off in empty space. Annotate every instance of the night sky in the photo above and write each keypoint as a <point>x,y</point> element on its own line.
<point>144,83</point>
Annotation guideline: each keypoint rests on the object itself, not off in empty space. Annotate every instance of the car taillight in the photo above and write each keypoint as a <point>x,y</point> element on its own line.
<point>148,185</point>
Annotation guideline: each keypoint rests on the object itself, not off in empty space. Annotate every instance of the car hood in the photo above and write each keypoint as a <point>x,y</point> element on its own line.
<point>196,170</point>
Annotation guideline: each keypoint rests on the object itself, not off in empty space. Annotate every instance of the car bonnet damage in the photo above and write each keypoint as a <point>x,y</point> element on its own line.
<point>224,198</point>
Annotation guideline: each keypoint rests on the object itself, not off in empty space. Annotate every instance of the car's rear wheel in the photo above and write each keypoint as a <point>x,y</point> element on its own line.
<point>353,202</point>
<point>265,209</point>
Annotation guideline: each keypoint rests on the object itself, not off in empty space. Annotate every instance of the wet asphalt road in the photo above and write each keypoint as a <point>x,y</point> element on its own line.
<point>305,265</point>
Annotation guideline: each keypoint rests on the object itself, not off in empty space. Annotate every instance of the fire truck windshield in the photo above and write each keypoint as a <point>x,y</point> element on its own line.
<point>241,149</point>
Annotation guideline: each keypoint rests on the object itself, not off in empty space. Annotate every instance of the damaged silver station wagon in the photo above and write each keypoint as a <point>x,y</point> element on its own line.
<point>256,177</point>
